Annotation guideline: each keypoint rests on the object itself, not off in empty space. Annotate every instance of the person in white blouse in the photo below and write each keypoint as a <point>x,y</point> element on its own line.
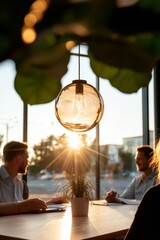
<point>140,183</point>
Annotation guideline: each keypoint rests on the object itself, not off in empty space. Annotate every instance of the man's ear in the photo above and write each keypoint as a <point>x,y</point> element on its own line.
<point>19,159</point>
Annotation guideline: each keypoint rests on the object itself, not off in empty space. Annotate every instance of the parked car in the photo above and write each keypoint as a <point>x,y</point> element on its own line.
<point>45,175</point>
<point>59,176</point>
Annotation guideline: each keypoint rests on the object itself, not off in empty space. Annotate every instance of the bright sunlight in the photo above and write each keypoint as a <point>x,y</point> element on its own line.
<point>74,140</point>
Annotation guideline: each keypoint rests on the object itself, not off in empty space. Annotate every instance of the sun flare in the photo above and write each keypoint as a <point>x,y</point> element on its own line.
<point>74,141</point>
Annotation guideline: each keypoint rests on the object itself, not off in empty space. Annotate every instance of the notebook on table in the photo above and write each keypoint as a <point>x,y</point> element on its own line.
<point>52,208</point>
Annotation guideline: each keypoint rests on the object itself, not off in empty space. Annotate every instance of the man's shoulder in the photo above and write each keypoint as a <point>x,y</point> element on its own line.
<point>138,176</point>
<point>1,168</point>
<point>3,172</point>
<point>141,176</point>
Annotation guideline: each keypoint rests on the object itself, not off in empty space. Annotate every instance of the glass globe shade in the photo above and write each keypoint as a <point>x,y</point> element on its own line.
<point>79,106</point>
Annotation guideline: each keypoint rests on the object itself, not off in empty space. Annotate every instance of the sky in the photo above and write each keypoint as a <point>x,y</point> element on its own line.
<point>122,112</point>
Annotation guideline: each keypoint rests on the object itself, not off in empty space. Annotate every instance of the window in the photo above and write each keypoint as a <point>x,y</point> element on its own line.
<point>120,129</point>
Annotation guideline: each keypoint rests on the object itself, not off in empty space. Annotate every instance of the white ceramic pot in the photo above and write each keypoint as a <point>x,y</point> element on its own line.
<point>79,207</point>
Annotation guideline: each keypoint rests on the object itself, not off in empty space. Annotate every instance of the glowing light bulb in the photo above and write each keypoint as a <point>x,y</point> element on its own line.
<point>79,106</point>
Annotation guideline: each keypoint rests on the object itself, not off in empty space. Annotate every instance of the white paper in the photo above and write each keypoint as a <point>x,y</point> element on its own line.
<point>129,201</point>
<point>123,201</point>
<point>51,206</point>
<point>100,202</point>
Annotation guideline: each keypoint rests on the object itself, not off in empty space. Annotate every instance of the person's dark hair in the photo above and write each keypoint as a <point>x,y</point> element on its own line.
<point>147,149</point>
<point>12,149</point>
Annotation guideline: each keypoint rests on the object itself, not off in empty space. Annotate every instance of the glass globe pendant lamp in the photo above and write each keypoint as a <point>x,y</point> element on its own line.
<point>79,106</point>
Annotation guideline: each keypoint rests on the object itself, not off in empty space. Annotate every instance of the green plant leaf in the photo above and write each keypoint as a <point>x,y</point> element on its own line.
<point>78,186</point>
<point>125,80</point>
<point>124,43</point>
<point>38,78</point>
<point>151,42</point>
<point>121,53</point>
<point>150,4</point>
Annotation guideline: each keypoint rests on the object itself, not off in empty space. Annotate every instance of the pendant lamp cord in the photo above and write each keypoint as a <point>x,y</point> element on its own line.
<point>79,62</point>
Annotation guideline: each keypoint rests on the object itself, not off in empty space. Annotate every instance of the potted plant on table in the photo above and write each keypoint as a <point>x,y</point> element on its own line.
<point>79,190</point>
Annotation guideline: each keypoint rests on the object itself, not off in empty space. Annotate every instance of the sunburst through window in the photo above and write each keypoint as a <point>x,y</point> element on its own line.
<point>74,141</point>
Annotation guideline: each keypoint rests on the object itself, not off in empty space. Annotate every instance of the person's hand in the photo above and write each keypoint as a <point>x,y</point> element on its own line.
<point>111,197</point>
<point>57,200</point>
<point>32,205</point>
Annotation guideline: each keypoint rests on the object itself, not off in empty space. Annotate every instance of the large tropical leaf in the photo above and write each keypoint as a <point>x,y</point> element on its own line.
<point>38,78</point>
<point>150,4</point>
<point>123,43</point>
<point>125,80</point>
<point>121,53</point>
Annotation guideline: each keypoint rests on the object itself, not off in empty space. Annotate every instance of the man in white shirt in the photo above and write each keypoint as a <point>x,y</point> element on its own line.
<point>141,183</point>
<point>13,188</point>
<point>15,156</point>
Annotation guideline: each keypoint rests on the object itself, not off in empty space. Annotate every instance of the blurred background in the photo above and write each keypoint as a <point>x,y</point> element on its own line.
<point>52,148</point>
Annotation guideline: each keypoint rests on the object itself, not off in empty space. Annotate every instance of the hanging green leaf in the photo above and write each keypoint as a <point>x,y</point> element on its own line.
<point>122,53</point>
<point>125,80</point>
<point>124,43</point>
<point>38,78</point>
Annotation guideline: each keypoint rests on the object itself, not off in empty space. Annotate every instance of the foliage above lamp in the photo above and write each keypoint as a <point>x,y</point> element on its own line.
<point>123,43</point>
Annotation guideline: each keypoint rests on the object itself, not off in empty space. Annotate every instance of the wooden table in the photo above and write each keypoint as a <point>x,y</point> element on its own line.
<point>103,222</point>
